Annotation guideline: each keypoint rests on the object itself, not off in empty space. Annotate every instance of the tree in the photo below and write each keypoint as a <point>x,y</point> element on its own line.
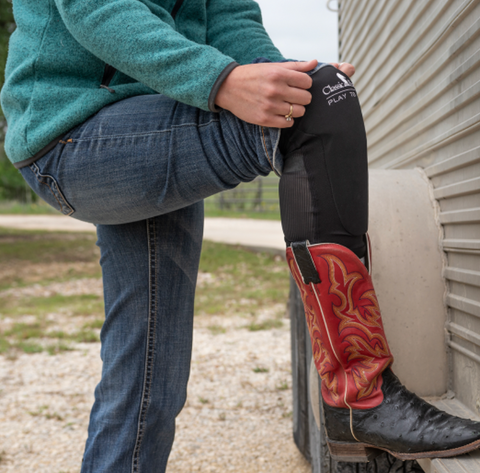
<point>7,25</point>
<point>12,185</point>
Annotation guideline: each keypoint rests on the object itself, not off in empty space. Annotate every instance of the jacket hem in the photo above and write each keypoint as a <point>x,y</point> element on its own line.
<point>216,86</point>
<point>26,162</point>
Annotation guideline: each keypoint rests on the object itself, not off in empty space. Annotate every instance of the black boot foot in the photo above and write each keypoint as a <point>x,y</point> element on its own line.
<point>403,425</point>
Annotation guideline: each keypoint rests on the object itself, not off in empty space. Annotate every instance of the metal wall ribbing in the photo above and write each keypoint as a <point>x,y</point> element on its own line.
<point>418,79</point>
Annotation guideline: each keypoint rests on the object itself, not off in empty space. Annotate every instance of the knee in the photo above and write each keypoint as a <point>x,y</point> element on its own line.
<point>335,108</point>
<point>333,116</point>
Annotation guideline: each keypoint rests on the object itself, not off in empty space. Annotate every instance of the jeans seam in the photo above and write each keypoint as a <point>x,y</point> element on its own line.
<point>130,135</point>
<point>150,347</point>
<point>37,173</point>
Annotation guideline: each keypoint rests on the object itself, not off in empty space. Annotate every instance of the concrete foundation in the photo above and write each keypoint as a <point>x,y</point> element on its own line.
<point>407,274</point>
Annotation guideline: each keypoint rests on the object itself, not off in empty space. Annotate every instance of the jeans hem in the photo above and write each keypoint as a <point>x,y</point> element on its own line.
<point>270,140</point>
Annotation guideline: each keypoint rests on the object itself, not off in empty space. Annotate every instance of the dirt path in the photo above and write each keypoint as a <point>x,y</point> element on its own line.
<point>263,234</point>
<point>237,417</point>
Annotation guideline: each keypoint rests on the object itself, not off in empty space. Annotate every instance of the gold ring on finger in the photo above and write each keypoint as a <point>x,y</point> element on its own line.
<point>289,116</point>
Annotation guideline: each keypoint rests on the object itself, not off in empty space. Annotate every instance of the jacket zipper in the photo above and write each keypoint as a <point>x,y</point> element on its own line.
<point>108,74</point>
<point>177,7</point>
<point>109,71</point>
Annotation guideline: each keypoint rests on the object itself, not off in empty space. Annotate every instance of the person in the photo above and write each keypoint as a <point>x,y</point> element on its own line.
<point>129,113</point>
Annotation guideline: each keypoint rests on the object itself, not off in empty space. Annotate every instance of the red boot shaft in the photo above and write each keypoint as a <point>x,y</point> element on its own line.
<point>349,346</point>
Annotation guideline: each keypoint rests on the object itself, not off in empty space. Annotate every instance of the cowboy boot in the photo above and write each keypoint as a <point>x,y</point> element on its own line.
<point>365,405</point>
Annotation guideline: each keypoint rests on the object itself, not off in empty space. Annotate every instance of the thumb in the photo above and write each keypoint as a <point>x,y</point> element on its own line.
<point>347,68</point>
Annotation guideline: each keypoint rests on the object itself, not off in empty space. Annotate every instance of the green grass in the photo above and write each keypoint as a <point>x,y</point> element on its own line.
<point>17,246</point>
<point>85,336</point>
<point>243,283</point>
<point>86,304</point>
<point>21,331</point>
<point>32,337</point>
<point>97,323</point>
<point>22,208</point>
<point>216,329</point>
<point>265,325</point>
<point>44,412</point>
<point>55,348</point>
<point>4,345</point>
<point>28,347</point>
<point>39,257</point>
<point>259,369</point>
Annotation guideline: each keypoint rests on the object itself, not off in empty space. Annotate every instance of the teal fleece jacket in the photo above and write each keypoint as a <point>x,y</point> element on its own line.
<point>58,53</point>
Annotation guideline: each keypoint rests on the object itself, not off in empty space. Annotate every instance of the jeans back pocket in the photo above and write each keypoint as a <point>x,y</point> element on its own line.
<point>46,187</point>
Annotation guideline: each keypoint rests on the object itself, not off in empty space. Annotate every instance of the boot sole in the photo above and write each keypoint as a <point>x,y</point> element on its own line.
<point>363,453</point>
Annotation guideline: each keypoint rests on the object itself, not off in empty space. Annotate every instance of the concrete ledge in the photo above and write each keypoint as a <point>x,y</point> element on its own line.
<point>407,274</point>
<point>468,463</point>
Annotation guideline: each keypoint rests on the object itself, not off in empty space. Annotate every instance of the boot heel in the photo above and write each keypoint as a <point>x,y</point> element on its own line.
<point>351,451</point>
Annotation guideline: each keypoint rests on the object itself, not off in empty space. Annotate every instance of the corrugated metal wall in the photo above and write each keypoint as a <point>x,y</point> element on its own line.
<point>418,79</point>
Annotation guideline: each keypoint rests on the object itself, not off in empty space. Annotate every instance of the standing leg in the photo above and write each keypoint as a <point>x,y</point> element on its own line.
<point>149,272</point>
<point>323,195</point>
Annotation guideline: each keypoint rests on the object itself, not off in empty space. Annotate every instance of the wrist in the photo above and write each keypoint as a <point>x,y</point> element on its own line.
<point>213,104</point>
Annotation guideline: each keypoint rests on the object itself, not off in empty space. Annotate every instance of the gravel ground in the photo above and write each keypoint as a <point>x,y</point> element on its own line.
<point>237,417</point>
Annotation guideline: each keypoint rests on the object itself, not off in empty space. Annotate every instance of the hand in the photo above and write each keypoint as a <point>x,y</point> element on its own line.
<point>262,93</point>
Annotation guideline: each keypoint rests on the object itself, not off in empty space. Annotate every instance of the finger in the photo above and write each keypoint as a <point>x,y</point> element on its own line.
<point>347,68</point>
<point>278,121</point>
<point>298,96</point>
<point>277,117</point>
<point>297,110</point>
<point>298,80</point>
<point>301,66</point>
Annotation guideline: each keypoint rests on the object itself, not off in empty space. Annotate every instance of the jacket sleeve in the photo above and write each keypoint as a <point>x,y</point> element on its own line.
<point>235,28</point>
<point>145,46</point>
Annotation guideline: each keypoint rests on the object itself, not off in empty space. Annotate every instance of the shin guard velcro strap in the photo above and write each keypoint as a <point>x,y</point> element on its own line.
<point>304,262</point>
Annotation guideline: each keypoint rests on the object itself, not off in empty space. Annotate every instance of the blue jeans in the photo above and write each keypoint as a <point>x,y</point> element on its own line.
<point>139,170</point>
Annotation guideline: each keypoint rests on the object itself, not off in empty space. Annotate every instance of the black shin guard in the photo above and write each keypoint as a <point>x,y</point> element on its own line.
<point>324,184</point>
